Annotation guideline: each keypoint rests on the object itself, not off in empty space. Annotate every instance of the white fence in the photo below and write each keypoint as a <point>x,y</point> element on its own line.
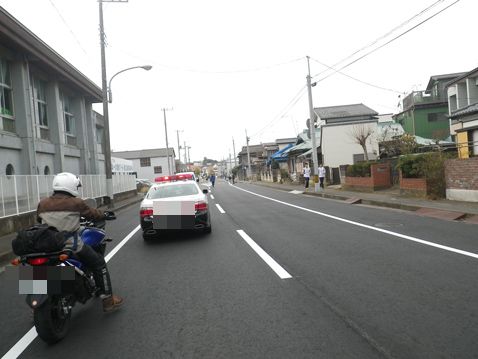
<point>21,194</point>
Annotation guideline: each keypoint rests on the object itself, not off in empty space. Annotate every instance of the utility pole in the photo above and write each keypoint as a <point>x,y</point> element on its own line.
<point>166,132</point>
<point>234,149</point>
<point>104,87</point>
<point>248,157</point>
<point>185,154</point>
<point>179,149</point>
<point>312,128</point>
<point>230,163</point>
<point>189,156</point>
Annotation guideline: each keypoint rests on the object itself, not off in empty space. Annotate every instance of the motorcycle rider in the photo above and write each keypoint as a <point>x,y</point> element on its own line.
<point>62,210</point>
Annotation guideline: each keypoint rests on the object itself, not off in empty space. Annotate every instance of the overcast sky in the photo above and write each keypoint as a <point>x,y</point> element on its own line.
<point>227,66</point>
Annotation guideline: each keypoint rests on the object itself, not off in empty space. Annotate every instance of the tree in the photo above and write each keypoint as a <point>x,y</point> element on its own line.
<point>360,134</point>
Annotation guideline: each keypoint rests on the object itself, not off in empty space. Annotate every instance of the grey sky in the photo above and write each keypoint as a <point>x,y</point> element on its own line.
<point>225,66</point>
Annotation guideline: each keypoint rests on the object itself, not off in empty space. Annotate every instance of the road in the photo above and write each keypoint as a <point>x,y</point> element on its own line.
<point>281,276</point>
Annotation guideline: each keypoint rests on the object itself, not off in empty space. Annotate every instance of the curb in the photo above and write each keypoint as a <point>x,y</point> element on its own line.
<point>371,202</point>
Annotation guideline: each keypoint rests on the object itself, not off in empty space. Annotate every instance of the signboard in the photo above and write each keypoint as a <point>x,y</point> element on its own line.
<point>120,165</point>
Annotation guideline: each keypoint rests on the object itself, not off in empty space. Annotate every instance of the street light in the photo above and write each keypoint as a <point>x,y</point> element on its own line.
<point>110,95</point>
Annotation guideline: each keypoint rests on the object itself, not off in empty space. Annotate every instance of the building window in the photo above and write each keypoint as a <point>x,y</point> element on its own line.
<point>158,169</point>
<point>39,98</point>
<point>145,162</point>
<point>435,117</point>
<point>7,120</point>
<point>46,171</point>
<point>10,171</point>
<point>69,121</point>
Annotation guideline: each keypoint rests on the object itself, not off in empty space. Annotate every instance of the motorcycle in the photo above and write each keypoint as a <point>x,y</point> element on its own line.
<point>52,311</point>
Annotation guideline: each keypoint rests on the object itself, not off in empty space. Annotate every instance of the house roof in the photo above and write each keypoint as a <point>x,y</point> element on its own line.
<point>252,149</point>
<point>444,77</point>
<point>465,111</point>
<point>286,140</point>
<point>462,76</point>
<point>345,112</point>
<point>17,37</point>
<point>155,152</point>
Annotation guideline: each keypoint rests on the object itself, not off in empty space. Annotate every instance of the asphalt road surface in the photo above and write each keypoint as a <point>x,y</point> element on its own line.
<point>281,276</point>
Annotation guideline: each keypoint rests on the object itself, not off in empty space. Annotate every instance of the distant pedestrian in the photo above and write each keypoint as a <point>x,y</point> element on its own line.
<point>306,172</point>
<point>212,178</point>
<point>233,178</point>
<point>321,175</point>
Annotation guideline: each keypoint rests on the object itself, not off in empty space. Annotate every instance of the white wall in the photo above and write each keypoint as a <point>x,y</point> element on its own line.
<point>12,157</point>
<point>338,146</point>
<point>72,164</point>
<point>148,172</point>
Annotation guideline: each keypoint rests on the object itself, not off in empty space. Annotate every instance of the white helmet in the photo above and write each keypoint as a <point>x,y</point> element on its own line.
<point>67,182</point>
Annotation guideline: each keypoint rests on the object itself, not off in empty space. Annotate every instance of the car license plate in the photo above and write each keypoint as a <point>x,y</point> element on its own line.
<point>173,214</point>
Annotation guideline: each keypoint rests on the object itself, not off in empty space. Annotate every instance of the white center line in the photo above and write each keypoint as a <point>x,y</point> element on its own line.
<point>281,272</point>
<point>220,209</point>
<point>212,196</point>
<point>29,337</point>
<point>395,234</point>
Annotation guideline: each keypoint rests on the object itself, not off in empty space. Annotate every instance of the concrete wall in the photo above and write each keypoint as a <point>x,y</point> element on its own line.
<point>461,177</point>
<point>24,148</point>
<point>338,146</point>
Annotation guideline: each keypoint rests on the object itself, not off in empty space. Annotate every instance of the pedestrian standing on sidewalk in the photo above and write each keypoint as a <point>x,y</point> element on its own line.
<point>321,175</point>
<point>306,173</point>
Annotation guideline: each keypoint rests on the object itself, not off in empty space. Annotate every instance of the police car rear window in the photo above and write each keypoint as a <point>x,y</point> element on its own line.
<point>185,189</point>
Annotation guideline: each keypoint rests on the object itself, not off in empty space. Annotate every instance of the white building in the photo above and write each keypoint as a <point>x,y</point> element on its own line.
<point>47,124</point>
<point>151,163</point>
<point>340,125</point>
<point>463,112</point>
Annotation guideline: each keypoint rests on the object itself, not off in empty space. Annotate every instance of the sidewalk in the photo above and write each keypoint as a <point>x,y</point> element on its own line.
<point>391,198</point>
<point>6,241</point>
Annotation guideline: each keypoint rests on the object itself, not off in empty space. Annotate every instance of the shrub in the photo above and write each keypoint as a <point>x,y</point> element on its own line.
<point>360,169</point>
<point>427,165</point>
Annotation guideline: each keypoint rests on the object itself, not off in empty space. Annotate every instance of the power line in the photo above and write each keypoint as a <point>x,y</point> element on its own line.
<point>68,26</point>
<point>386,43</point>
<point>201,71</point>
<point>287,108</point>
<point>358,80</point>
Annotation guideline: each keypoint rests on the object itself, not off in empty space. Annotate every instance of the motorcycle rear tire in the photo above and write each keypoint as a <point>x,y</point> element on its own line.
<point>51,322</point>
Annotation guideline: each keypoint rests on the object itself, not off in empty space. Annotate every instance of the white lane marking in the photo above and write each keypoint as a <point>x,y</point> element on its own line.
<point>29,337</point>
<point>212,196</point>
<point>220,209</point>
<point>410,238</point>
<point>281,272</point>
<point>122,243</point>
<point>21,345</point>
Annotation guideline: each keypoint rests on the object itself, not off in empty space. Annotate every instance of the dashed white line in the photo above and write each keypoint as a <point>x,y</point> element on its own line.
<point>281,272</point>
<point>220,208</point>
<point>212,196</point>
<point>395,234</point>
<point>29,337</point>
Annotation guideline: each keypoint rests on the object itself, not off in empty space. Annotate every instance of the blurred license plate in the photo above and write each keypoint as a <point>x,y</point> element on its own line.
<point>173,214</point>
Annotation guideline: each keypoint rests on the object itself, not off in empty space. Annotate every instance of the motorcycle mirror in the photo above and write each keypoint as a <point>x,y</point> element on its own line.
<point>109,216</point>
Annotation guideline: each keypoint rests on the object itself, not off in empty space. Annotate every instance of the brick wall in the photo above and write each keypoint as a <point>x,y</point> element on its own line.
<point>381,175</point>
<point>413,186</point>
<point>462,173</point>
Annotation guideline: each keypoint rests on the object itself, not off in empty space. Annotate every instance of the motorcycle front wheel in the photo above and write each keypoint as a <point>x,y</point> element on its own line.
<point>52,319</point>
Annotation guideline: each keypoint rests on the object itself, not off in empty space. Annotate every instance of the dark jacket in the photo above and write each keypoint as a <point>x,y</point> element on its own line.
<point>63,212</point>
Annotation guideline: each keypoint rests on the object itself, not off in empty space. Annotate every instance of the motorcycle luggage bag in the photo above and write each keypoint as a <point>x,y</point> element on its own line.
<point>39,238</point>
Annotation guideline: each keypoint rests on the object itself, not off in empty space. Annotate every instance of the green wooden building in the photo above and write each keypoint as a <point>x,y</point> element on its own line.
<point>425,113</point>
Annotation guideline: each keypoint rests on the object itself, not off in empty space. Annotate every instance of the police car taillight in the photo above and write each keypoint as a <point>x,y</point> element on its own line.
<point>145,212</point>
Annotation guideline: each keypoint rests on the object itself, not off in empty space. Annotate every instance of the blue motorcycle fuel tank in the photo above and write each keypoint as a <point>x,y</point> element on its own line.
<point>92,236</point>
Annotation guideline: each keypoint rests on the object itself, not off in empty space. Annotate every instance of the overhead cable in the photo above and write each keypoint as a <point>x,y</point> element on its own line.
<point>386,43</point>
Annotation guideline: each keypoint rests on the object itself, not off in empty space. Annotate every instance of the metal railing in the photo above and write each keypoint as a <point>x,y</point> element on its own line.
<point>21,193</point>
